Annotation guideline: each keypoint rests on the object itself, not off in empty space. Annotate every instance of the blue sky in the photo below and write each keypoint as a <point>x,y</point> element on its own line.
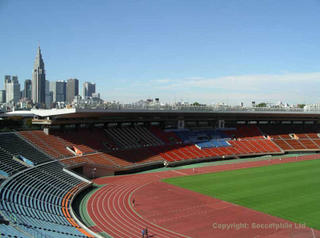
<point>193,50</point>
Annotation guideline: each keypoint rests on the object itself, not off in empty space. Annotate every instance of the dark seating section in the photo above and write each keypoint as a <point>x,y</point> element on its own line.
<point>37,201</point>
<point>14,145</point>
<point>129,138</point>
<point>9,165</point>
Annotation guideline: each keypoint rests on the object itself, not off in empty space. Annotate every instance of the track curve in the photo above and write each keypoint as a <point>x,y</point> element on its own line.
<point>112,211</point>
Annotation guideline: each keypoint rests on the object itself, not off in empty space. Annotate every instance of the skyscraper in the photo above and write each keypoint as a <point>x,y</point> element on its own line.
<point>27,91</point>
<point>58,88</point>
<point>12,87</point>
<point>7,80</point>
<point>2,96</point>
<point>72,89</point>
<point>49,95</point>
<point>39,81</point>
<point>88,89</point>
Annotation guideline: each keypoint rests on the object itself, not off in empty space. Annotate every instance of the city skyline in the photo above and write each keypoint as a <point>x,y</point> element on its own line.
<point>39,94</point>
<point>42,93</point>
<point>207,51</point>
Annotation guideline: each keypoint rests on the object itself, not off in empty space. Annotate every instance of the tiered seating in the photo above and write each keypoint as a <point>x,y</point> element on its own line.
<point>245,132</point>
<point>295,144</point>
<point>283,144</point>
<point>127,137</point>
<point>314,136</point>
<point>38,200</point>
<point>167,137</point>
<point>131,146</point>
<point>14,145</point>
<point>147,136</point>
<point>96,158</point>
<point>309,144</point>
<point>48,143</point>
<point>249,141</point>
<point>294,138</point>
<point>196,136</point>
<point>8,165</point>
<point>139,155</point>
<point>85,140</point>
<point>213,143</point>
<point>307,140</point>
<point>174,153</point>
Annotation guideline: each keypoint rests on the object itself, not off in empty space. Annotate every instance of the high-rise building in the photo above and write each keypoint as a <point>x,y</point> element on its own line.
<point>52,88</point>
<point>58,89</point>
<point>7,79</point>
<point>49,95</point>
<point>12,87</point>
<point>27,91</point>
<point>72,89</point>
<point>2,96</point>
<point>88,89</point>
<point>39,81</point>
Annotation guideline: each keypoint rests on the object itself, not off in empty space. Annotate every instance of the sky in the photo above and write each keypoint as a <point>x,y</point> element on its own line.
<point>209,51</point>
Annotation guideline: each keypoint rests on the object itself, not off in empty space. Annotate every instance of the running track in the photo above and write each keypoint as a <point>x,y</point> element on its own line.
<point>174,212</point>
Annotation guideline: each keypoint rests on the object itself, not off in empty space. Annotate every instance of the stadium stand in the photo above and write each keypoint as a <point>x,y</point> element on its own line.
<point>96,158</point>
<point>48,143</point>
<point>36,201</point>
<point>35,197</point>
<point>127,138</point>
<point>166,136</point>
<point>294,138</point>
<point>127,147</point>
<point>8,165</point>
<point>36,192</point>
<point>15,145</point>
<point>131,146</point>
<point>213,143</point>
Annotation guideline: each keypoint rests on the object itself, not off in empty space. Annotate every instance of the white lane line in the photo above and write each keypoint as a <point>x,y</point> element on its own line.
<point>178,172</point>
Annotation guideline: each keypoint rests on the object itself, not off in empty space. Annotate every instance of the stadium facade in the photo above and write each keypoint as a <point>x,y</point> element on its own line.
<point>41,171</point>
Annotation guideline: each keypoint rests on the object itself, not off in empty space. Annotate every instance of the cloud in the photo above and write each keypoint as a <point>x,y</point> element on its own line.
<point>287,87</point>
<point>244,82</point>
<point>161,81</point>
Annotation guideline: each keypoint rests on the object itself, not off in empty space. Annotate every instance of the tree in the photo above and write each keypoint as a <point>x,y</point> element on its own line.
<point>301,105</point>
<point>262,104</point>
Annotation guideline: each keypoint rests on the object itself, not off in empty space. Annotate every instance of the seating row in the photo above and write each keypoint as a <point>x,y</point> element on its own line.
<point>15,145</point>
<point>35,200</point>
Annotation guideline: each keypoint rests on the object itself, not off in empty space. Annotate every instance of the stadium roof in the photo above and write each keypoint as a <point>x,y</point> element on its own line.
<point>73,115</point>
<point>76,115</point>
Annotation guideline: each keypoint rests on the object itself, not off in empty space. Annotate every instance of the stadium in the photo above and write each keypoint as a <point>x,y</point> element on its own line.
<point>164,171</point>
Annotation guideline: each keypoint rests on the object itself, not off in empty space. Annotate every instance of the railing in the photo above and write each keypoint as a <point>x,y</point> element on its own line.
<point>189,108</point>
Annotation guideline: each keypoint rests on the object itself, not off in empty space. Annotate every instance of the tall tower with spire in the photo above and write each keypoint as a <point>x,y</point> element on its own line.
<point>39,81</point>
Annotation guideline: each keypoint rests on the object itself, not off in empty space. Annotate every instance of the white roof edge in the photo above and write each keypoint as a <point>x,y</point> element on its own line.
<point>52,112</point>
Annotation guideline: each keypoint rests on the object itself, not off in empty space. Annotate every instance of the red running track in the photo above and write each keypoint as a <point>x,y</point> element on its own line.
<point>169,211</point>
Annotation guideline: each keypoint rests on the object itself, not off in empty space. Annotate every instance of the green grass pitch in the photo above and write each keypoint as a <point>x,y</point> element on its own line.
<point>290,190</point>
